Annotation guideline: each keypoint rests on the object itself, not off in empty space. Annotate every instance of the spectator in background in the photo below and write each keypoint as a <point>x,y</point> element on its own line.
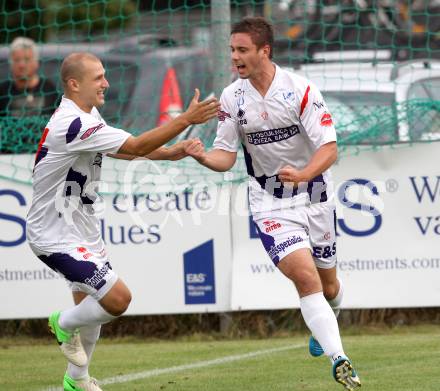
<point>25,94</point>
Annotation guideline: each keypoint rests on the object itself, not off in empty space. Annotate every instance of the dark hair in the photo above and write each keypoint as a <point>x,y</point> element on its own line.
<point>260,30</point>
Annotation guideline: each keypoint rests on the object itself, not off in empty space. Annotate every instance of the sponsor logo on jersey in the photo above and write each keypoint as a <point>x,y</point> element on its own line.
<point>222,115</point>
<point>275,250</point>
<point>318,105</point>
<point>91,131</point>
<point>272,135</point>
<point>98,276</point>
<point>84,252</point>
<point>265,115</point>
<point>326,120</point>
<point>327,236</point>
<point>98,160</point>
<point>289,96</point>
<point>271,225</point>
<point>238,92</point>
<point>240,114</point>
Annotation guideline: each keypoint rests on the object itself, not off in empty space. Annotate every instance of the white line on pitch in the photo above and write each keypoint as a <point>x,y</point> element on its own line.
<point>200,364</point>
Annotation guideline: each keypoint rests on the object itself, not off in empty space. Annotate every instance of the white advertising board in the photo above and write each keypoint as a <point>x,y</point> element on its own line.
<point>188,252</point>
<point>172,249</point>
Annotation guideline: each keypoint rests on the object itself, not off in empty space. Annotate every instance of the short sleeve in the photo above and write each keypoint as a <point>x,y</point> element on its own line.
<point>227,137</point>
<point>89,134</point>
<point>315,117</point>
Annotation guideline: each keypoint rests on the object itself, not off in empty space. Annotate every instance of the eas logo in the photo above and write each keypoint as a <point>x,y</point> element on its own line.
<point>368,212</point>
<point>271,225</point>
<point>195,278</point>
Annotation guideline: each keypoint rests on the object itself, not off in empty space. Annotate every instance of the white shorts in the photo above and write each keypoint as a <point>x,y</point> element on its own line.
<point>309,226</point>
<point>85,271</point>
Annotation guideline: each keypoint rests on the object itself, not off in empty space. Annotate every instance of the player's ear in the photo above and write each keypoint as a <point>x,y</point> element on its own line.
<point>73,85</point>
<point>266,50</point>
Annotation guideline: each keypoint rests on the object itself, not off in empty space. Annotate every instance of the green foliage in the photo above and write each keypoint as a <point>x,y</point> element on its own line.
<point>44,19</point>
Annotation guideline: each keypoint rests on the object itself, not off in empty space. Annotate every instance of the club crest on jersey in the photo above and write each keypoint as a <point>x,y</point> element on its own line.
<point>326,119</point>
<point>240,95</point>
<point>271,225</point>
<point>222,115</point>
<point>264,115</point>
<point>91,131</point>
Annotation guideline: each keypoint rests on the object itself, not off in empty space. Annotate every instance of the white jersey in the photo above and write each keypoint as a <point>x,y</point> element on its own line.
<point>66,171</point>
<point>285,127</point>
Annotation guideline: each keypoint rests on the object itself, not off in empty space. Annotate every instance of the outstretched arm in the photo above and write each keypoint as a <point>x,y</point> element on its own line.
<point>216,159</point>
<point>147,142</point>
<point>173,152</point>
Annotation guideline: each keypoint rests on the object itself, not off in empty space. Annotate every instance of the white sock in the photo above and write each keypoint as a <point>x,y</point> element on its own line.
<point>89,336</point>
<point>322,322</point>
<point>335,303</point>
<point>87,313</point>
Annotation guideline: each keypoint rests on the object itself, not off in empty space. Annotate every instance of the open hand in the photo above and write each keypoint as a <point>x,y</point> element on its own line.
<point>201,112</point>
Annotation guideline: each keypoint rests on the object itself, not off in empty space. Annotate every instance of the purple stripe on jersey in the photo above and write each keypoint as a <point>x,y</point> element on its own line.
<point>316,188</point>
<point>41,154</point>
<point>76,270</point>
<point>73,130</point>
<point>74,178</point>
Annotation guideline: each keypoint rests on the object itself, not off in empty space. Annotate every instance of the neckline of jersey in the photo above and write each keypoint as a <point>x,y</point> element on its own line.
<point>272,84</point>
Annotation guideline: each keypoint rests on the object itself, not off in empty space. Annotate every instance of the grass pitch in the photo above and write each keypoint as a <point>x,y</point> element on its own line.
<point>404,359</point>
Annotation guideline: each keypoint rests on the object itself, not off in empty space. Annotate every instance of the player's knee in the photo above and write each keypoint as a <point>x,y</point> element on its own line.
<point>307,283</point>
<point>120,303</point>
<point>124,301</point>
<point>330,290</point>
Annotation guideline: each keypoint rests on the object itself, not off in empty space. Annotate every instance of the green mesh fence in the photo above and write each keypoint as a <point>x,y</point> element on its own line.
<point>386,93</point>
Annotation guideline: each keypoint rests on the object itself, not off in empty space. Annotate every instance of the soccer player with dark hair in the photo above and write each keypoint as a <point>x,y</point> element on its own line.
<point>289,144</point>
